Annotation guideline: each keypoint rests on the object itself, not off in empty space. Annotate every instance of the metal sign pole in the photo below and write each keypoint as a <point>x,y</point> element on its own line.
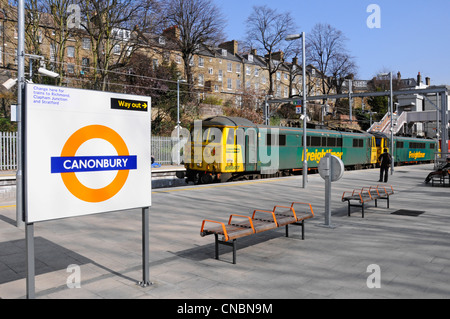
<point>29,237</point>
<point>145,249</point>
<point>328,190</point>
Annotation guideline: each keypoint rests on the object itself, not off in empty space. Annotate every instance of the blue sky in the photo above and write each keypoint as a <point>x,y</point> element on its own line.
<point>414,35</point>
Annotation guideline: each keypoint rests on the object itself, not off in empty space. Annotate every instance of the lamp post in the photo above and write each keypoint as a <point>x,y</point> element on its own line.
<point>391,106</point>
<point>178,118</point>
<point>292,37</point>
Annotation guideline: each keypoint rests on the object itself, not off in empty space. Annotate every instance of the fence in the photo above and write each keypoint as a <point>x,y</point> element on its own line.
<point>8,150</point>
<point>161,150</point>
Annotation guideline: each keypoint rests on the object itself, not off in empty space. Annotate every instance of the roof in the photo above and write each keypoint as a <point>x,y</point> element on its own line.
<point>228,121</point>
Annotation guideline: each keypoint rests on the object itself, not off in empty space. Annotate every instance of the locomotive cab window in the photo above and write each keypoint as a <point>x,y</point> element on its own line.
<point>400,144</point>
<point>230,137</point>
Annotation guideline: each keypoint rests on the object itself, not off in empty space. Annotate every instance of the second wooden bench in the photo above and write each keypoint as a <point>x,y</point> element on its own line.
<point>260,221</point>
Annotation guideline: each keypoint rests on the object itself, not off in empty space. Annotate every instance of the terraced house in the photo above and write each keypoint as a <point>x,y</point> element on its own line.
<point>87,59</point>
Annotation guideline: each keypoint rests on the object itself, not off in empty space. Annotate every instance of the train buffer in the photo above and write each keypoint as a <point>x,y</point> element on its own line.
<point>260,221</point>
<point>367,194</point>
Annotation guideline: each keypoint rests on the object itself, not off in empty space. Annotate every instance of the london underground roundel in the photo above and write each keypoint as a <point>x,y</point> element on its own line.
<point>68,164</point>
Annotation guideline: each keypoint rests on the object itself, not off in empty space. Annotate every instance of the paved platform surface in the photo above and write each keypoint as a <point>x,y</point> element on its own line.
<point>412,253</point>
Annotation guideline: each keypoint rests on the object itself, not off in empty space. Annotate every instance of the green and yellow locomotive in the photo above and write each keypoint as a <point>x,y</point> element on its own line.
<point>230,148</point>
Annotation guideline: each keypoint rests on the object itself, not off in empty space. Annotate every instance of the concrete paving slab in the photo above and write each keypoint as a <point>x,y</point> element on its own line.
<point>412,252</point>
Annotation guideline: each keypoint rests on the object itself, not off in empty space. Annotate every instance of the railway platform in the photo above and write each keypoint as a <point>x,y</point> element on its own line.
<point>396,252</point>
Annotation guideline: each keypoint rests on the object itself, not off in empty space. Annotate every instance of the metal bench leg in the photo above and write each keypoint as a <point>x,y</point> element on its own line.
<point>376,203</point>
<point>234,251</point>
<point>388,201</point>
<point>362,210</point>
<point>303,230</point>
<point>217,245</point>
<point>287,230</point>
<point>349,208</point>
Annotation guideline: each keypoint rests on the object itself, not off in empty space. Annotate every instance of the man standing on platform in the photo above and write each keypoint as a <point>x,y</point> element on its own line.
<point>385,162</point>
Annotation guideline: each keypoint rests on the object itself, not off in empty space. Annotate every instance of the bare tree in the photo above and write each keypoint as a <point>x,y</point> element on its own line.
<point>326,50</point>
<point>199,22</point>
<point>267,30</point>
<point>110,25</point>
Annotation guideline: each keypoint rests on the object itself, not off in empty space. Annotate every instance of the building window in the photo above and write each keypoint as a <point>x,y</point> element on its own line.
<point>224,52</point>
<point>116,49</point>
<point>70,52</point>
<point>278,76</point>
<point>256,72</point>
<point>229,67</point>
<point>52,52</point>
<point>178,59</point>
<point>201,80</point>
<point>210,71</point>
<point>155,64</point>
<point>248,70</point>
<point>70,68</point>
<point>201,62</point>
<point>86,44</point>
<point>85,64</point>
<point>220,77</point>
<point>216,88</point>
<point>238,68</point>
<point>250,57</point>
<point>162,40</point>
<point>238,84</point>
<point>229,84</point>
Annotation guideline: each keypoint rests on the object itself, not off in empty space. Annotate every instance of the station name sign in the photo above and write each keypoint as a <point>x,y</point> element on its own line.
<point>83,154</point>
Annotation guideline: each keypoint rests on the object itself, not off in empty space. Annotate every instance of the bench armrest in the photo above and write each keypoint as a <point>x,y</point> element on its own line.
<point>265,211</point>
<point>289,207</point>
<point>249,219</point>
<point>202,233</point>
<point>306,204</point>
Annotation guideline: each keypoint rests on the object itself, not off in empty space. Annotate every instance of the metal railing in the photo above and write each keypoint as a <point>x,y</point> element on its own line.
<point>161,150</point>
<point>8,151</point>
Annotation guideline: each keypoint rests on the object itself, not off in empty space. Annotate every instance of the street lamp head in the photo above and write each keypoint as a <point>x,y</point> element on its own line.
<point>292,37</point>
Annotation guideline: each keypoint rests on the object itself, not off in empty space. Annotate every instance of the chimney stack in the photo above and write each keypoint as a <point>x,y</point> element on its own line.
<point>230,46</point>
<point>419,79</point>
<point>427,81</point>
<point>172,33</point>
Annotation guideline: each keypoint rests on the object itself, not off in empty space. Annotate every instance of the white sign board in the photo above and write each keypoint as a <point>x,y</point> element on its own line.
<point>86,152</point>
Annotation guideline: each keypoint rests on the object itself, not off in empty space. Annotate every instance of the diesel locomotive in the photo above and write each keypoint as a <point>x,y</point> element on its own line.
<point>230,148</point>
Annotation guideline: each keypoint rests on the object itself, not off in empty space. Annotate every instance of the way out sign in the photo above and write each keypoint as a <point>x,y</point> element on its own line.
<point>86,152</point>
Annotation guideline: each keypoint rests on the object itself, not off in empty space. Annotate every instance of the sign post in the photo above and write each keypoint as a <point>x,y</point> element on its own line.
<point>331,169</point>
<point>93,152</point>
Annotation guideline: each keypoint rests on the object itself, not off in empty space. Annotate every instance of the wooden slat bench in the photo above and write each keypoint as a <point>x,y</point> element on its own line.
<point>367,194</point>
<point>260,221</point>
